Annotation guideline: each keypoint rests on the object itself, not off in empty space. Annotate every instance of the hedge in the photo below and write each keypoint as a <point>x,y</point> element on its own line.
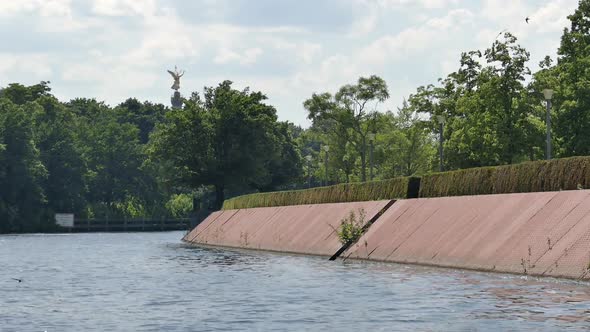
<point>403,187</point>
<point>536,176</point>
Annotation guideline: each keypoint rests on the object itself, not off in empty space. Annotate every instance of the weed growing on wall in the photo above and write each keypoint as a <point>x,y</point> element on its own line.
<point>351,227</point>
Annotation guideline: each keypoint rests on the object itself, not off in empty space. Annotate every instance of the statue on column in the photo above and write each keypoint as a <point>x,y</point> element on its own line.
<point>176,98</point>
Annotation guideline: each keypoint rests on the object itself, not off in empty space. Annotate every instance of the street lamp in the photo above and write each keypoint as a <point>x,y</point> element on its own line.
<point>371,137</point>
<point>308,158</point>
<point>326,149</point>
<point>441,121</point>
<point>548,93</point>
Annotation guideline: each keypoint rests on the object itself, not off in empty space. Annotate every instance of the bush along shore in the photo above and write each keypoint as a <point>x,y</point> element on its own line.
<point>536,176</point>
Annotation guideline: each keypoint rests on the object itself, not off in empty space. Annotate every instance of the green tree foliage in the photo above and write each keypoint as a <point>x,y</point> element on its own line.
<point>21,171</point>
<point>56,139</point>
<point>229,140</point>
<point>80,157</point>
<point>489,117</point>
<point>406,146</point>
<point>349,114</point>
<point>143,115</point>
<point>571,81</point>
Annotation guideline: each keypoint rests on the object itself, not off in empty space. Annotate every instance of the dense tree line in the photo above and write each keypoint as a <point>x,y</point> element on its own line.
<point>493,107</point>
<point>139,159</point>
<point>80,157</point>
<point>135,160</point>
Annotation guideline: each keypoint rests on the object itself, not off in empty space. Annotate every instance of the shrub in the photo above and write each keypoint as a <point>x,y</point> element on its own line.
<point>351,228</point>
<point>180,205</point>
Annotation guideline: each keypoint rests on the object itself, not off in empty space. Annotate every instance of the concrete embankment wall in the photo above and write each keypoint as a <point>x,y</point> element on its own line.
<point>544,234</point>
<point>305,229</point>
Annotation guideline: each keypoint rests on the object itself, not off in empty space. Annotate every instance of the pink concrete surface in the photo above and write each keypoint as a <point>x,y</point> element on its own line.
<point>545,234</point>
<point>304,229</point>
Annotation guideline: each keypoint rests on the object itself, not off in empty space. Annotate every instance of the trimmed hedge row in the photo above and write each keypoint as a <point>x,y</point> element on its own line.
<point>536,176</point>
<point>404,187</point>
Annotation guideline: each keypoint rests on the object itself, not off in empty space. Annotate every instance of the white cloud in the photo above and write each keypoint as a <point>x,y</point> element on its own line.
<point>246,57</point>
<point>25,66</point>
<point>418,39</point>
<point>428,4</point>
<point>114,49</point>
<point>43,7</point>
<point>124,7</point>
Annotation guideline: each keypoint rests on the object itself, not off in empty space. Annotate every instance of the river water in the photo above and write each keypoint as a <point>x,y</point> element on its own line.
<point>153,282</point>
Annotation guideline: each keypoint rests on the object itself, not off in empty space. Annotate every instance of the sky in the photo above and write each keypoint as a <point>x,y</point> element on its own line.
<point>288,49</point>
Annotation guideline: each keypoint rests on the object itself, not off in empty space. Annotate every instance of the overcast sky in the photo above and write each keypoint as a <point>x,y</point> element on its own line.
<point>288,49</point>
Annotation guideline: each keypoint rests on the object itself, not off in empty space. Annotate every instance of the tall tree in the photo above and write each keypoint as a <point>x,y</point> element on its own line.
<point>227,140</point>
<point>350,110</point>
<point>571,81</point>
<point>22,173</point>
<point>56,139</point>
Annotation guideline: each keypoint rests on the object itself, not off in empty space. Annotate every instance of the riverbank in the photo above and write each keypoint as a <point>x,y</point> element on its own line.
<point>541,234</point>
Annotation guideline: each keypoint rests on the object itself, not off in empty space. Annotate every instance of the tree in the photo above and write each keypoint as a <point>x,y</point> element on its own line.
<point>228,140</point>
<point>114,158</point>
<point>143,115</point>
<point>406,146</point>
<point>56,138</point>
<point>489,117</point>
<point>349,110</point>
<point>20,94</point>
<point>21,172</point>
<point>571,81</point>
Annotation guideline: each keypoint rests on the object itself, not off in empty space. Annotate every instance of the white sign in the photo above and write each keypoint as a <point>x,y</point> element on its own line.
<point>64,219</point>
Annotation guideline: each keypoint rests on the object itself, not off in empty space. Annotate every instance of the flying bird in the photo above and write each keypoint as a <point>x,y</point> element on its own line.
<point>527,20</point>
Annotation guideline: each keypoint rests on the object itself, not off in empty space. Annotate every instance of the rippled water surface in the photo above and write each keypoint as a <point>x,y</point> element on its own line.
<point>152,282</point>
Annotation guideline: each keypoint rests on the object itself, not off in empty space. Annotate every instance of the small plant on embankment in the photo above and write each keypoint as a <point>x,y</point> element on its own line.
<point>351,227</point>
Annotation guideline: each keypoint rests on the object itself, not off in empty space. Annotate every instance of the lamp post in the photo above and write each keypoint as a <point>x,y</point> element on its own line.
<point>326,149</point>
<point>371,137</point>
<point>308,158</point>
<point>441,121</point>
<point>548,93</point>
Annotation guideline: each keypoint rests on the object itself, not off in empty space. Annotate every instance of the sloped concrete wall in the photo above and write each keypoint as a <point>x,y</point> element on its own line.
<point>545,234</point>
<point>305,229</point>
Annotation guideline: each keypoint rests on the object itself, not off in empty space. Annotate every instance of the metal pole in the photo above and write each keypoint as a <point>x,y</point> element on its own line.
<point>548,129</point>
<point>371,160</point>
<point>441,156</point>
<point>308,174</point>
<point>327,180</point>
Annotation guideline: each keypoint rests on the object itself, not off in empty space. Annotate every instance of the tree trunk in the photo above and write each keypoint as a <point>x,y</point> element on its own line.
<point>219,196</point>
<point>363,161</point>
